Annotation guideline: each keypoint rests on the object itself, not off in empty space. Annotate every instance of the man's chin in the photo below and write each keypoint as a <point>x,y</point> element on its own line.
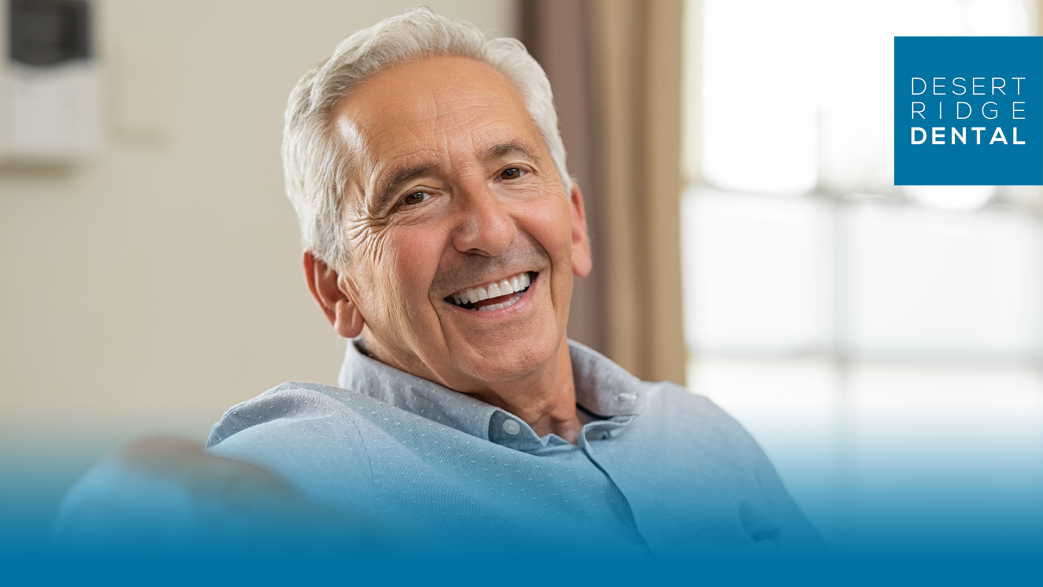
<point>508,361</point>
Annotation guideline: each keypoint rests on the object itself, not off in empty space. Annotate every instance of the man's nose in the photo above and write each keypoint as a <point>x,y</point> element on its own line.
<point>485,226</point>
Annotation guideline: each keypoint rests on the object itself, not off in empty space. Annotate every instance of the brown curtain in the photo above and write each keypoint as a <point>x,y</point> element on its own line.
<point>615,66</point>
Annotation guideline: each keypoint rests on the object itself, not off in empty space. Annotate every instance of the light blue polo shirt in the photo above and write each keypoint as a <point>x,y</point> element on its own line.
<point>661,472</point>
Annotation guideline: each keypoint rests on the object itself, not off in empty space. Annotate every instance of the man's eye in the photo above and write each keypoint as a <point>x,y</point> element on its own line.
<point>511,173</point>
<point>415,198</point>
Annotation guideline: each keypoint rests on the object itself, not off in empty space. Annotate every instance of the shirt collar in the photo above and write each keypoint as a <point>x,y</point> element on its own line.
<point>602,388</point>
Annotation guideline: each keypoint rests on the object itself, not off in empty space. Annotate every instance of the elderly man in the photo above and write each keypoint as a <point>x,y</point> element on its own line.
<point>441,234</point>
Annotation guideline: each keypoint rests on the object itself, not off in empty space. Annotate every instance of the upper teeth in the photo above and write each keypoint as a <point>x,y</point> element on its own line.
<point>491,290</point>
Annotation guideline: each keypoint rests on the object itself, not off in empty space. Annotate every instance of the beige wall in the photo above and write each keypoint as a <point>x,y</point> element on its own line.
<point>149,289</point>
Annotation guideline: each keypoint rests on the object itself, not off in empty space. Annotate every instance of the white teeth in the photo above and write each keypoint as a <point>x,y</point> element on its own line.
<point>494,307</point>
<point>504,287</point>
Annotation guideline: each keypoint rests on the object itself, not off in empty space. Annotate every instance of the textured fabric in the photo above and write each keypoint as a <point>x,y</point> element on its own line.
<point>662,472</point>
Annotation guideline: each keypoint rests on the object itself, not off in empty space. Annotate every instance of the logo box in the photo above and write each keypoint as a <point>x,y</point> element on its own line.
<point>952,94</point>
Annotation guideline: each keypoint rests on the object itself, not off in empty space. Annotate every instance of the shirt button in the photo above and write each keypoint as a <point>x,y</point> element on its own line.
<point>511,427</point>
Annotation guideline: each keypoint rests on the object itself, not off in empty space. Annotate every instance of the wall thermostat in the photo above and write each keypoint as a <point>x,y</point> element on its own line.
<point>50,83</point>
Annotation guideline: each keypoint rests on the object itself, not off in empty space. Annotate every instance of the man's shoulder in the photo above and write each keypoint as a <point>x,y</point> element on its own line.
<point>697,414</point>
<point>684,422</point>
<point>320,439</point>
<point>286,404</point>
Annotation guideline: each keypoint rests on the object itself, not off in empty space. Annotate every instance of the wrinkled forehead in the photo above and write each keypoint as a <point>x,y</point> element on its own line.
<point>438,111</point>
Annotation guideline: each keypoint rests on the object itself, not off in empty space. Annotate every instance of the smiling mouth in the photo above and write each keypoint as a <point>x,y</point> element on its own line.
<point>492,296</point>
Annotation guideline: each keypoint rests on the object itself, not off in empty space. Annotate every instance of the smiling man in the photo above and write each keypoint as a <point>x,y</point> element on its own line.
<point>442,233</point>
<point>461,239</point>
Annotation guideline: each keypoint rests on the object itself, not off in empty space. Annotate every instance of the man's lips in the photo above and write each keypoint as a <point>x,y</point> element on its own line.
<point>493,295</point>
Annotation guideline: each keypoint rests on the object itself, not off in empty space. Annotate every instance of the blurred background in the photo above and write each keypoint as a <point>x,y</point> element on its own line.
<point>882,344</point>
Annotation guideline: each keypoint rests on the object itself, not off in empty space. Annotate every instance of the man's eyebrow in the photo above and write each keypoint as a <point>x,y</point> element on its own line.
<point>511,148</point>
<point>388,189</point>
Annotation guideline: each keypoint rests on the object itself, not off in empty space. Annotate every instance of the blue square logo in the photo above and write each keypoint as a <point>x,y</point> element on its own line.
<point>968,110</point>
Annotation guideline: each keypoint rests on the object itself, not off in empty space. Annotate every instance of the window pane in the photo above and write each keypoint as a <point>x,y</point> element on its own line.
<point>935,283</point>
<point>759,109</point>
<point>755,272</point>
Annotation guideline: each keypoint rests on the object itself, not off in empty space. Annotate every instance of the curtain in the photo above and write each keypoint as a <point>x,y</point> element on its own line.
<point>615,66</point>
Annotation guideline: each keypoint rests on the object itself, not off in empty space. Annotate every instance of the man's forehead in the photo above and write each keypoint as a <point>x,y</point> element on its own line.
<point>425,111</point>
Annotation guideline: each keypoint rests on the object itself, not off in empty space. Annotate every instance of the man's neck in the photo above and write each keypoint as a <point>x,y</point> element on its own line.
<point>546,401</point>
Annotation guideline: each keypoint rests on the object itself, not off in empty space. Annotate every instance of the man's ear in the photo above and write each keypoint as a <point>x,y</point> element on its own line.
<point>340,310</point>
<point>581,263</point>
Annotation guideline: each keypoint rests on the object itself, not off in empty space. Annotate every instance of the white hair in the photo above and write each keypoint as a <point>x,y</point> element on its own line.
<point>315,162</point>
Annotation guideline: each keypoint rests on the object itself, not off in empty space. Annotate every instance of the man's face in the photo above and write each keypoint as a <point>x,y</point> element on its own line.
<point>454,190</point>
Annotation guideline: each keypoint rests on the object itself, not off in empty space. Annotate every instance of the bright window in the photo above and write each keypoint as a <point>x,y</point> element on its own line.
<point>873,339</point>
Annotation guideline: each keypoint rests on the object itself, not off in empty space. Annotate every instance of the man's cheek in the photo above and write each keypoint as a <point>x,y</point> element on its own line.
<point>553,236</point>
<point>411,282</point>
